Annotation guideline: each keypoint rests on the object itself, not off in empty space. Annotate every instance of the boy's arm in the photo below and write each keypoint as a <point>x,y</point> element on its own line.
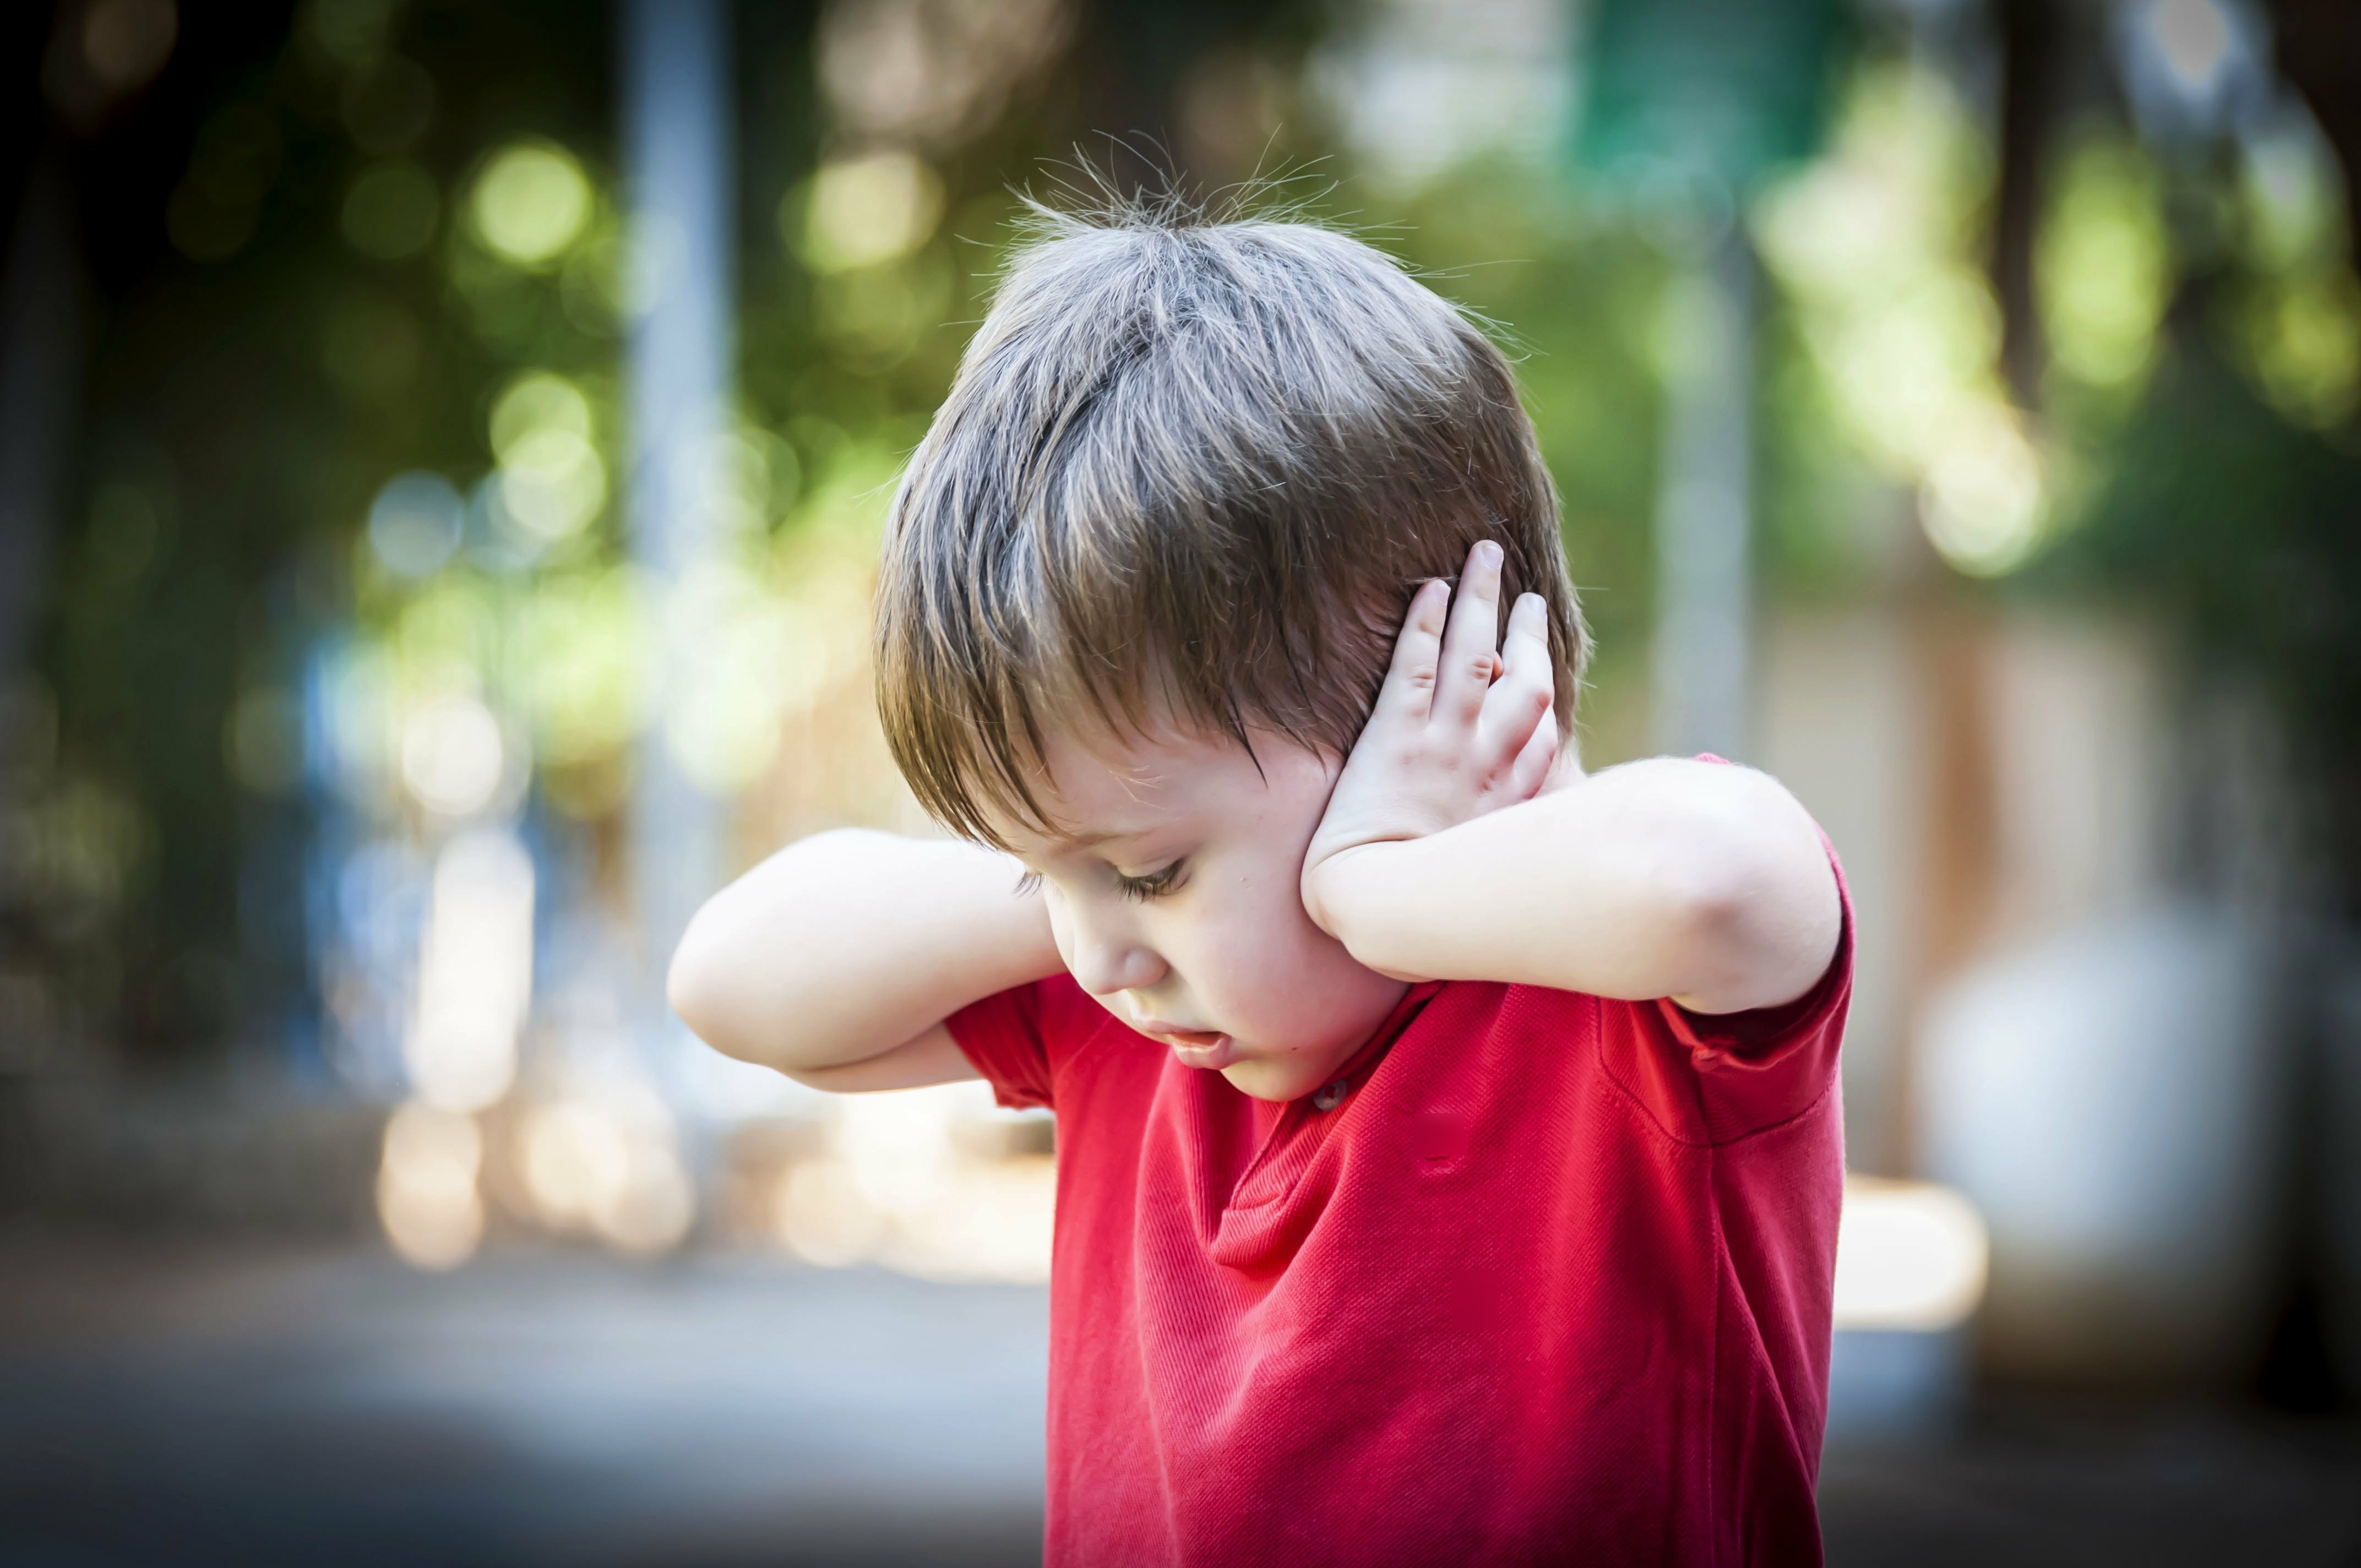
<point>837,960</point>
<point>1450,852</point>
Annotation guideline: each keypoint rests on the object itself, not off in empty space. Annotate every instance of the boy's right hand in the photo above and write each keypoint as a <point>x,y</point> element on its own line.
<point>1461,727</point>
<point>1460,843</point>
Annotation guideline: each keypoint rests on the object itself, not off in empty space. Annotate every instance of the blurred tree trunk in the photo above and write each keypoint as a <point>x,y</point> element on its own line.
<point>41,394</point>
<point>2030,39</point>
<point>41,331</point>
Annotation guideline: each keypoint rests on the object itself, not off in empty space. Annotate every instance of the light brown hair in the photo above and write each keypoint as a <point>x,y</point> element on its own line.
<point>1191,471</point>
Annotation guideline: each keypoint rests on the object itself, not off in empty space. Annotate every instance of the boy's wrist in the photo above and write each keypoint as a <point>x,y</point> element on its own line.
<point>1330,873</point>
<point>1355,893</point>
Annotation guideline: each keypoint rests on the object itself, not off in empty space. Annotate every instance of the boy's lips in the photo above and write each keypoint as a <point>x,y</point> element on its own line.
<point>1207,1048</point>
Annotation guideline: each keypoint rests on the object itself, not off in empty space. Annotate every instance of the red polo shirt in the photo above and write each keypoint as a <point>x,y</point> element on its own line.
<point>1549,1283</point>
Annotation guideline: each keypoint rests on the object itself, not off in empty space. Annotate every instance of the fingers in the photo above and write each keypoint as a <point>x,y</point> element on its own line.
<point>1526,687</point>
<point>1531,767</point>
<point>1409,690</point>
<point>1472,638</point>
<point>1527,646</point>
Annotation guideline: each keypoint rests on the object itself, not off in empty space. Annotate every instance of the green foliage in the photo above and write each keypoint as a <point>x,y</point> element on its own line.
<point>2237,530</point>
<point>253,385</point>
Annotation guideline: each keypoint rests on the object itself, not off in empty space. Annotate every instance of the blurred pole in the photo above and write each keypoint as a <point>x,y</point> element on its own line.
<point>1704,579</point>
<point>679,178</point>
<point>1686,107</point>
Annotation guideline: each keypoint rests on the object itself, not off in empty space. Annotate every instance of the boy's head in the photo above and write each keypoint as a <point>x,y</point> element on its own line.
<point>1143,578</point>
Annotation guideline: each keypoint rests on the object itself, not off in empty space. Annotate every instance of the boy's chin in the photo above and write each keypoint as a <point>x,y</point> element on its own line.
<point>1292,1079</point>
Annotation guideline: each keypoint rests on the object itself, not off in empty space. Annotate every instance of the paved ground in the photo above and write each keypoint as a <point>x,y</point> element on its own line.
<point>550,1408</point>
<point>169,1404</point>
<point>2033,1483</point>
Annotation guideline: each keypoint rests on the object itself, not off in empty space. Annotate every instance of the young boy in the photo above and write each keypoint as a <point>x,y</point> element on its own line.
<point>1448,1140</point>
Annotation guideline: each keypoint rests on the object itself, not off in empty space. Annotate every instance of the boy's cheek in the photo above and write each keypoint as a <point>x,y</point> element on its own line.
<point>1061,928</point>
<point>1262,973</point>
<point>1305,1003</point>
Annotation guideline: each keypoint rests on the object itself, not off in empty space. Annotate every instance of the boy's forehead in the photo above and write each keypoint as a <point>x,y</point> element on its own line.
<point>1106,789</point>
<point>1109,788</point>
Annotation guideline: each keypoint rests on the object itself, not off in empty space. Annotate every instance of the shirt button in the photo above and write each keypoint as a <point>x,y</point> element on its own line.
<point>1330,1096</point>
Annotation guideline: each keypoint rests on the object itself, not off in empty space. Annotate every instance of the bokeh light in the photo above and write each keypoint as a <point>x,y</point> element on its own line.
<point>582,664</point>
<point>932,72</point>
<point>1982,498</point>
<point>537,400</point>
<point>2300,323</point>
<point>2103,266</point>
<point>1910,1255</point>
<point>452,755</point>
<point>475,972</point>
<point>874,317</point>
<point>552,483</point>
<point>530,203</point>
<point>822,1216</point>
<point>2305,342</point>
<point>413,524</point>
<point>605,1163</point>
<point>864,211</point>
<point>1877,251</point>
<point>900,1186</point>
<point>2192,38</point>
<point>426,1185</point>
<point>755,656</point>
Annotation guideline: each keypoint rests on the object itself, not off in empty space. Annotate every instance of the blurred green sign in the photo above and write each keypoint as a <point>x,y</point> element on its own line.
<point>1683,89</point>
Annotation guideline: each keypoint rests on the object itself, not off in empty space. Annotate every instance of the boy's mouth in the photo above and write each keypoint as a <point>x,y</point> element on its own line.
<point>1207,1048</point>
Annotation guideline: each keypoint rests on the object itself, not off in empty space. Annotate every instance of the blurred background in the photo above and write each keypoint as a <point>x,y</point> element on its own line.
<point>442,454</point>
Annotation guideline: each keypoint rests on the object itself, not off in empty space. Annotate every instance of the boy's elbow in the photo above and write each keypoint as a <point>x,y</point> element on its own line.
<point>686,994</point>
<point>1703,915</point>
<point>1757,915</point>
<point>696,988</point>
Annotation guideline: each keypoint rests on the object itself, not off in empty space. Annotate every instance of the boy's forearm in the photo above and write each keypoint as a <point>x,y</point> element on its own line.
<point>1666,878</point>
<point>848,944</point>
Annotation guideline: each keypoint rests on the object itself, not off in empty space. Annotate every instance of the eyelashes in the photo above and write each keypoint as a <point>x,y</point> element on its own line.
<point>1154,885</point>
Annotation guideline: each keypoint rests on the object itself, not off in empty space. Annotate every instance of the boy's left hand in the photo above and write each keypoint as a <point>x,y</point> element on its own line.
<point>1461,727</point>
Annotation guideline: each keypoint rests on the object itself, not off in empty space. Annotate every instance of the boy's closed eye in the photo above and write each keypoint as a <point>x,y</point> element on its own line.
<point>1158,883</point>
<point>1142,885</point>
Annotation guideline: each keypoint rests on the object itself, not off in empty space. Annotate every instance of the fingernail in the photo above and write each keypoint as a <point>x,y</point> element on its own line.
<point>1491,552</point>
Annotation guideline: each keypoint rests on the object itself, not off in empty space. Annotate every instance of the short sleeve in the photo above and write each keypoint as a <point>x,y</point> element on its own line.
<point>1711,1078</point>
<point>1001,1037</point>
<point>1016,1038</point>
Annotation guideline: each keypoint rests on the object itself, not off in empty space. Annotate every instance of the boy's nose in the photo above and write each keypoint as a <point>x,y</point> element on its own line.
<point>1103,966</point>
